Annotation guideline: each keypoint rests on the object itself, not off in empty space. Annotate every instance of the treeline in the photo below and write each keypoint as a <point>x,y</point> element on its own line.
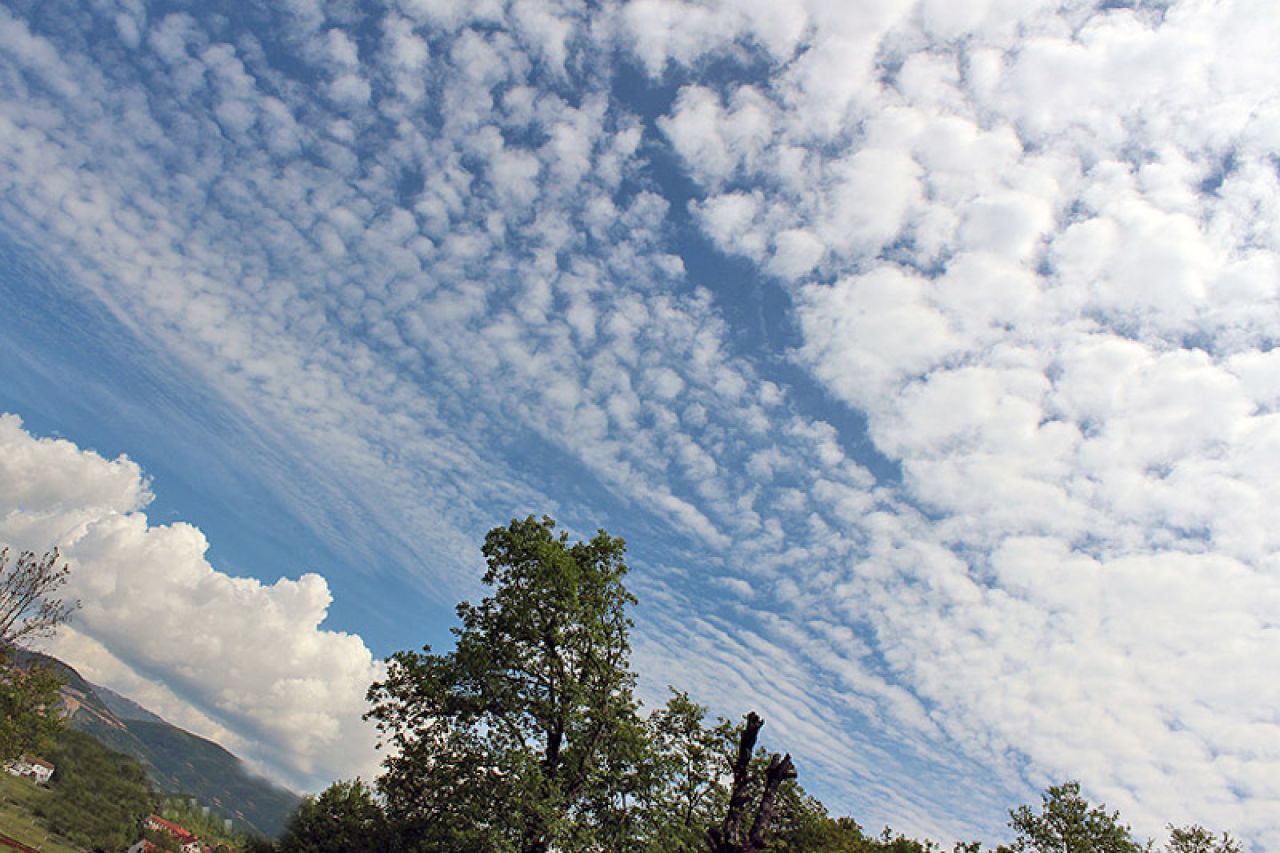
<point>202,822</point>
<point>99,797</point>
<point>527,738</point>
<point>349,816</point>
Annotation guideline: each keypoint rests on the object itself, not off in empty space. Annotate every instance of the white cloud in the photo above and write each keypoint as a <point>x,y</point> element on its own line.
<point>1044,292</point>
<point>867,334</point>
<point>716,141</point>
<point>161,624</point>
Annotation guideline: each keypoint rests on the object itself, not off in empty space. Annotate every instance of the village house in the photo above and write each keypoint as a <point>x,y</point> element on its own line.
<point>187,841</point>
<point>31,768</point>
<point>144,846</point>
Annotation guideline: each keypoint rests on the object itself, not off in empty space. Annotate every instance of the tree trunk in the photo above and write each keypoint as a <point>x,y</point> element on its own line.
<point>780,769</point>
<point>728,836</point>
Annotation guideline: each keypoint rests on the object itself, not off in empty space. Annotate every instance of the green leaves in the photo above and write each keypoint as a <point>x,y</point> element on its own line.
<point>1197,839</point>
<point>1068,823</point>
<point>527,737</point>
<point>100,796</point>
<point>28,708</point>
<point>345,816</point>
<point>531,718</point>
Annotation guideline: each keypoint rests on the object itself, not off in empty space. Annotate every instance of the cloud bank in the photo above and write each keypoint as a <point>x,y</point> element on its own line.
<point>245,663</point>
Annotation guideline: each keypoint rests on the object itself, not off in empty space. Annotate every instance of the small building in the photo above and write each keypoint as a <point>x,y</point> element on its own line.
<point>31,768</point>
<point>187,841</point>
<point>144,846</point>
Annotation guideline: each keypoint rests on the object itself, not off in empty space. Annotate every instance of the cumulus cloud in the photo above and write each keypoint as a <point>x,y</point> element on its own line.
<point>161,624</point>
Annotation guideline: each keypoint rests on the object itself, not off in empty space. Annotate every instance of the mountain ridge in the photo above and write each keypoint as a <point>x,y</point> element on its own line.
<point>177,761</point>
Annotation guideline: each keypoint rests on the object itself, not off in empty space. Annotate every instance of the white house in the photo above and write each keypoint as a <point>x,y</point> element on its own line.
<point>32,768</point>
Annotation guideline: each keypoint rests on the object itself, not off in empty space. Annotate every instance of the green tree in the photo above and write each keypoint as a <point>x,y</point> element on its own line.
<point>687,760</point>
<point>1068,823</point>
<point>526,736</point>
<point>802,824</point>
<point>28,703</point>
<point>1197,839</point>
<point>29,609</point>
<point>890,843</point>
<point>345,816</point>
<point>690,763</point>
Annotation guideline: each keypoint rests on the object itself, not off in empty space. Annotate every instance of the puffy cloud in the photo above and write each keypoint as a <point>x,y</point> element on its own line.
<point>868,334</point>
<point>714,141</point>
<point>660,31</point>
<point>159,623</point>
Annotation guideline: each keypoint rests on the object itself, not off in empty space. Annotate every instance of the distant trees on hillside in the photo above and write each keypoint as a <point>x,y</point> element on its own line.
<point>100,797</point>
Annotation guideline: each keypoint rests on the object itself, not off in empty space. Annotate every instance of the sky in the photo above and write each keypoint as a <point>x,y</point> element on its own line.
<point>923,352</point>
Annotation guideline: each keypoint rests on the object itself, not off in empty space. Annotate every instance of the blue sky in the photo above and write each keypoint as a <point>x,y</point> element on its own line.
<point>922,351</point>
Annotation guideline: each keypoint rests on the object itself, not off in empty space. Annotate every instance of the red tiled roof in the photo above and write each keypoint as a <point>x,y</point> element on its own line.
<point>181,833</point>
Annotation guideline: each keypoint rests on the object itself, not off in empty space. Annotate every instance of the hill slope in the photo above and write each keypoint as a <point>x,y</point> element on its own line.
<point>177,761</point>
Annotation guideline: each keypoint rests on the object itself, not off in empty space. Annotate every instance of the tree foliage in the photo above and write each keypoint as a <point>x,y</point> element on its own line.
<point>28,708</point>
<point>1068,823</point>
<point>524,736</point>
<point>343,817</point>
<point>527,738</point>
<point>683,791</point>
<point>1197,839</point>
<point>100,796</point>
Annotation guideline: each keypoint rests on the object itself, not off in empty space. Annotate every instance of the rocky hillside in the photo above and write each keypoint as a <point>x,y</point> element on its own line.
<point>177,761</point>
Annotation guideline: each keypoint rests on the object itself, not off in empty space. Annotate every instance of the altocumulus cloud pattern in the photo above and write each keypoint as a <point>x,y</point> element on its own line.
<point>924,349</point>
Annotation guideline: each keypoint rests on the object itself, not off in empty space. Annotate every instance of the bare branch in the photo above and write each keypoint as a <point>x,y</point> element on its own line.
<point>29,606</point>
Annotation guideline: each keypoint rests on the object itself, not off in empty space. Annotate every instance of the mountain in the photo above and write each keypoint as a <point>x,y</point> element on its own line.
<point>176,761</point>
<point>123,707</point>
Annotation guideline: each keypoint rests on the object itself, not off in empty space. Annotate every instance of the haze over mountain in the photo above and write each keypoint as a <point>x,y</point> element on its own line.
<point>176,761</point>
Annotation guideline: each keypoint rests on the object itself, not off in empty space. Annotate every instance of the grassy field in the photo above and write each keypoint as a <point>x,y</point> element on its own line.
<point>17,796</point>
